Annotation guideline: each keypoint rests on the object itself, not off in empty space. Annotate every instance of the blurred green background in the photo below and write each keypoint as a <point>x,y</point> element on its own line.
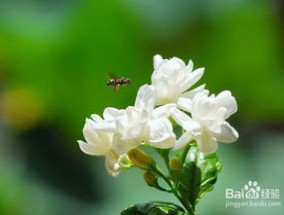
<point>54,60</point>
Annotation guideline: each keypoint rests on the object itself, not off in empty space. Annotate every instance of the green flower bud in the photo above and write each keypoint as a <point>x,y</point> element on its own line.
<point>175,164</point>
<point>141,159</point>
<point>151,179</point>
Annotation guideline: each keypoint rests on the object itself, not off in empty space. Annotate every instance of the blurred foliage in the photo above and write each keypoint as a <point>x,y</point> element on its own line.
<point>54,60</point>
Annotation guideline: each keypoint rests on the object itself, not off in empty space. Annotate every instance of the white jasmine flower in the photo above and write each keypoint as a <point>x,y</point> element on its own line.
<point>160,130</point>
<point>143,123</point>
<point>131,129</point>
<point>119,131</point>
<point>207,123</point>
<point>98,134</point>
<point>161,133</point>
<point>172,78</point>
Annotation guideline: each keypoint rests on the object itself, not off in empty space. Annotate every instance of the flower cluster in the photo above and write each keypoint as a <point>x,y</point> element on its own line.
<point>201,116</point>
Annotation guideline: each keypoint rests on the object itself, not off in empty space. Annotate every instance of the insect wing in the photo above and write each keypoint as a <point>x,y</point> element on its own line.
<point>111,75</point>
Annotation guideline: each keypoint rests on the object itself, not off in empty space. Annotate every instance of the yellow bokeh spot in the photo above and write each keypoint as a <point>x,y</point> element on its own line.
<point>21,108</point>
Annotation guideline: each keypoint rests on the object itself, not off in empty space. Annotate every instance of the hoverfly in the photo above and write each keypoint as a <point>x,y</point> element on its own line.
<point>116,82</point>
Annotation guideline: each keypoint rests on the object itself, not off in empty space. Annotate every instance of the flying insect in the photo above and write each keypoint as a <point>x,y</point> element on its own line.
<point>116,82</point>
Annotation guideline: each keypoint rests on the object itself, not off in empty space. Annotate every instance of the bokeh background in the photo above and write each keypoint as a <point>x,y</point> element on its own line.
<point>54,60</point>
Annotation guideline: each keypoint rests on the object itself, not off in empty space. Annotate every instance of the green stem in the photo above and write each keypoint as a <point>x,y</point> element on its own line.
<point>186,205</point>
<point>185,152</point>
<point>160,173</point>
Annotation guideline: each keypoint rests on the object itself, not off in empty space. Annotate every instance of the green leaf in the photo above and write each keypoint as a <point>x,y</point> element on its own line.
<point>209,166</point>
<point>164,153</point>
<point>154,208</point>
<point>188,184</point>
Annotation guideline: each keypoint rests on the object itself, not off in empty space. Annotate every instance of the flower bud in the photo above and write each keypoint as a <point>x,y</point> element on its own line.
<point>141,159</point>
<point>175,164</point>
<point>151,179</point>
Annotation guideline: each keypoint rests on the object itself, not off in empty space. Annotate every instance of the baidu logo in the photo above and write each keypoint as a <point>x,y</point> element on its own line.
<point>251,194</point>
<point>252,190</point>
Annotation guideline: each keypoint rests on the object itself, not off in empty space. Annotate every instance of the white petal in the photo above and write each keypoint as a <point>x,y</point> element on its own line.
<point>191,79</point>
<point>176,64</point>
<point>219,115</point>
<point>122,145</point>
<point>92,149</point>
<point>102,126</point>
<point>214,120</point>
<point>157,61</point>
<point>112,113</point>
<point>136,116</point>
<point>203,106</point>
<point>96,118</point>
<point>161,133</point>
<point>112,164</point>
<point>190,94</point>
<point>184,139</point>
<point>226,100</point>
<point>165,92</point>
<point>228,134</point>
<point>100,144</point>
<point>132,125</point>
<point>145,98</point>
<point>185,104</point>
<point>186,122</point>
<point>207,143</point>
<point>86,148</point>
<point>106,127</point>
<point>90,132</point>
<point>189,66</point>
<point>180,117</point>
<point>132,114</point>
<point>163,111</point>
<point>121,123</point>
